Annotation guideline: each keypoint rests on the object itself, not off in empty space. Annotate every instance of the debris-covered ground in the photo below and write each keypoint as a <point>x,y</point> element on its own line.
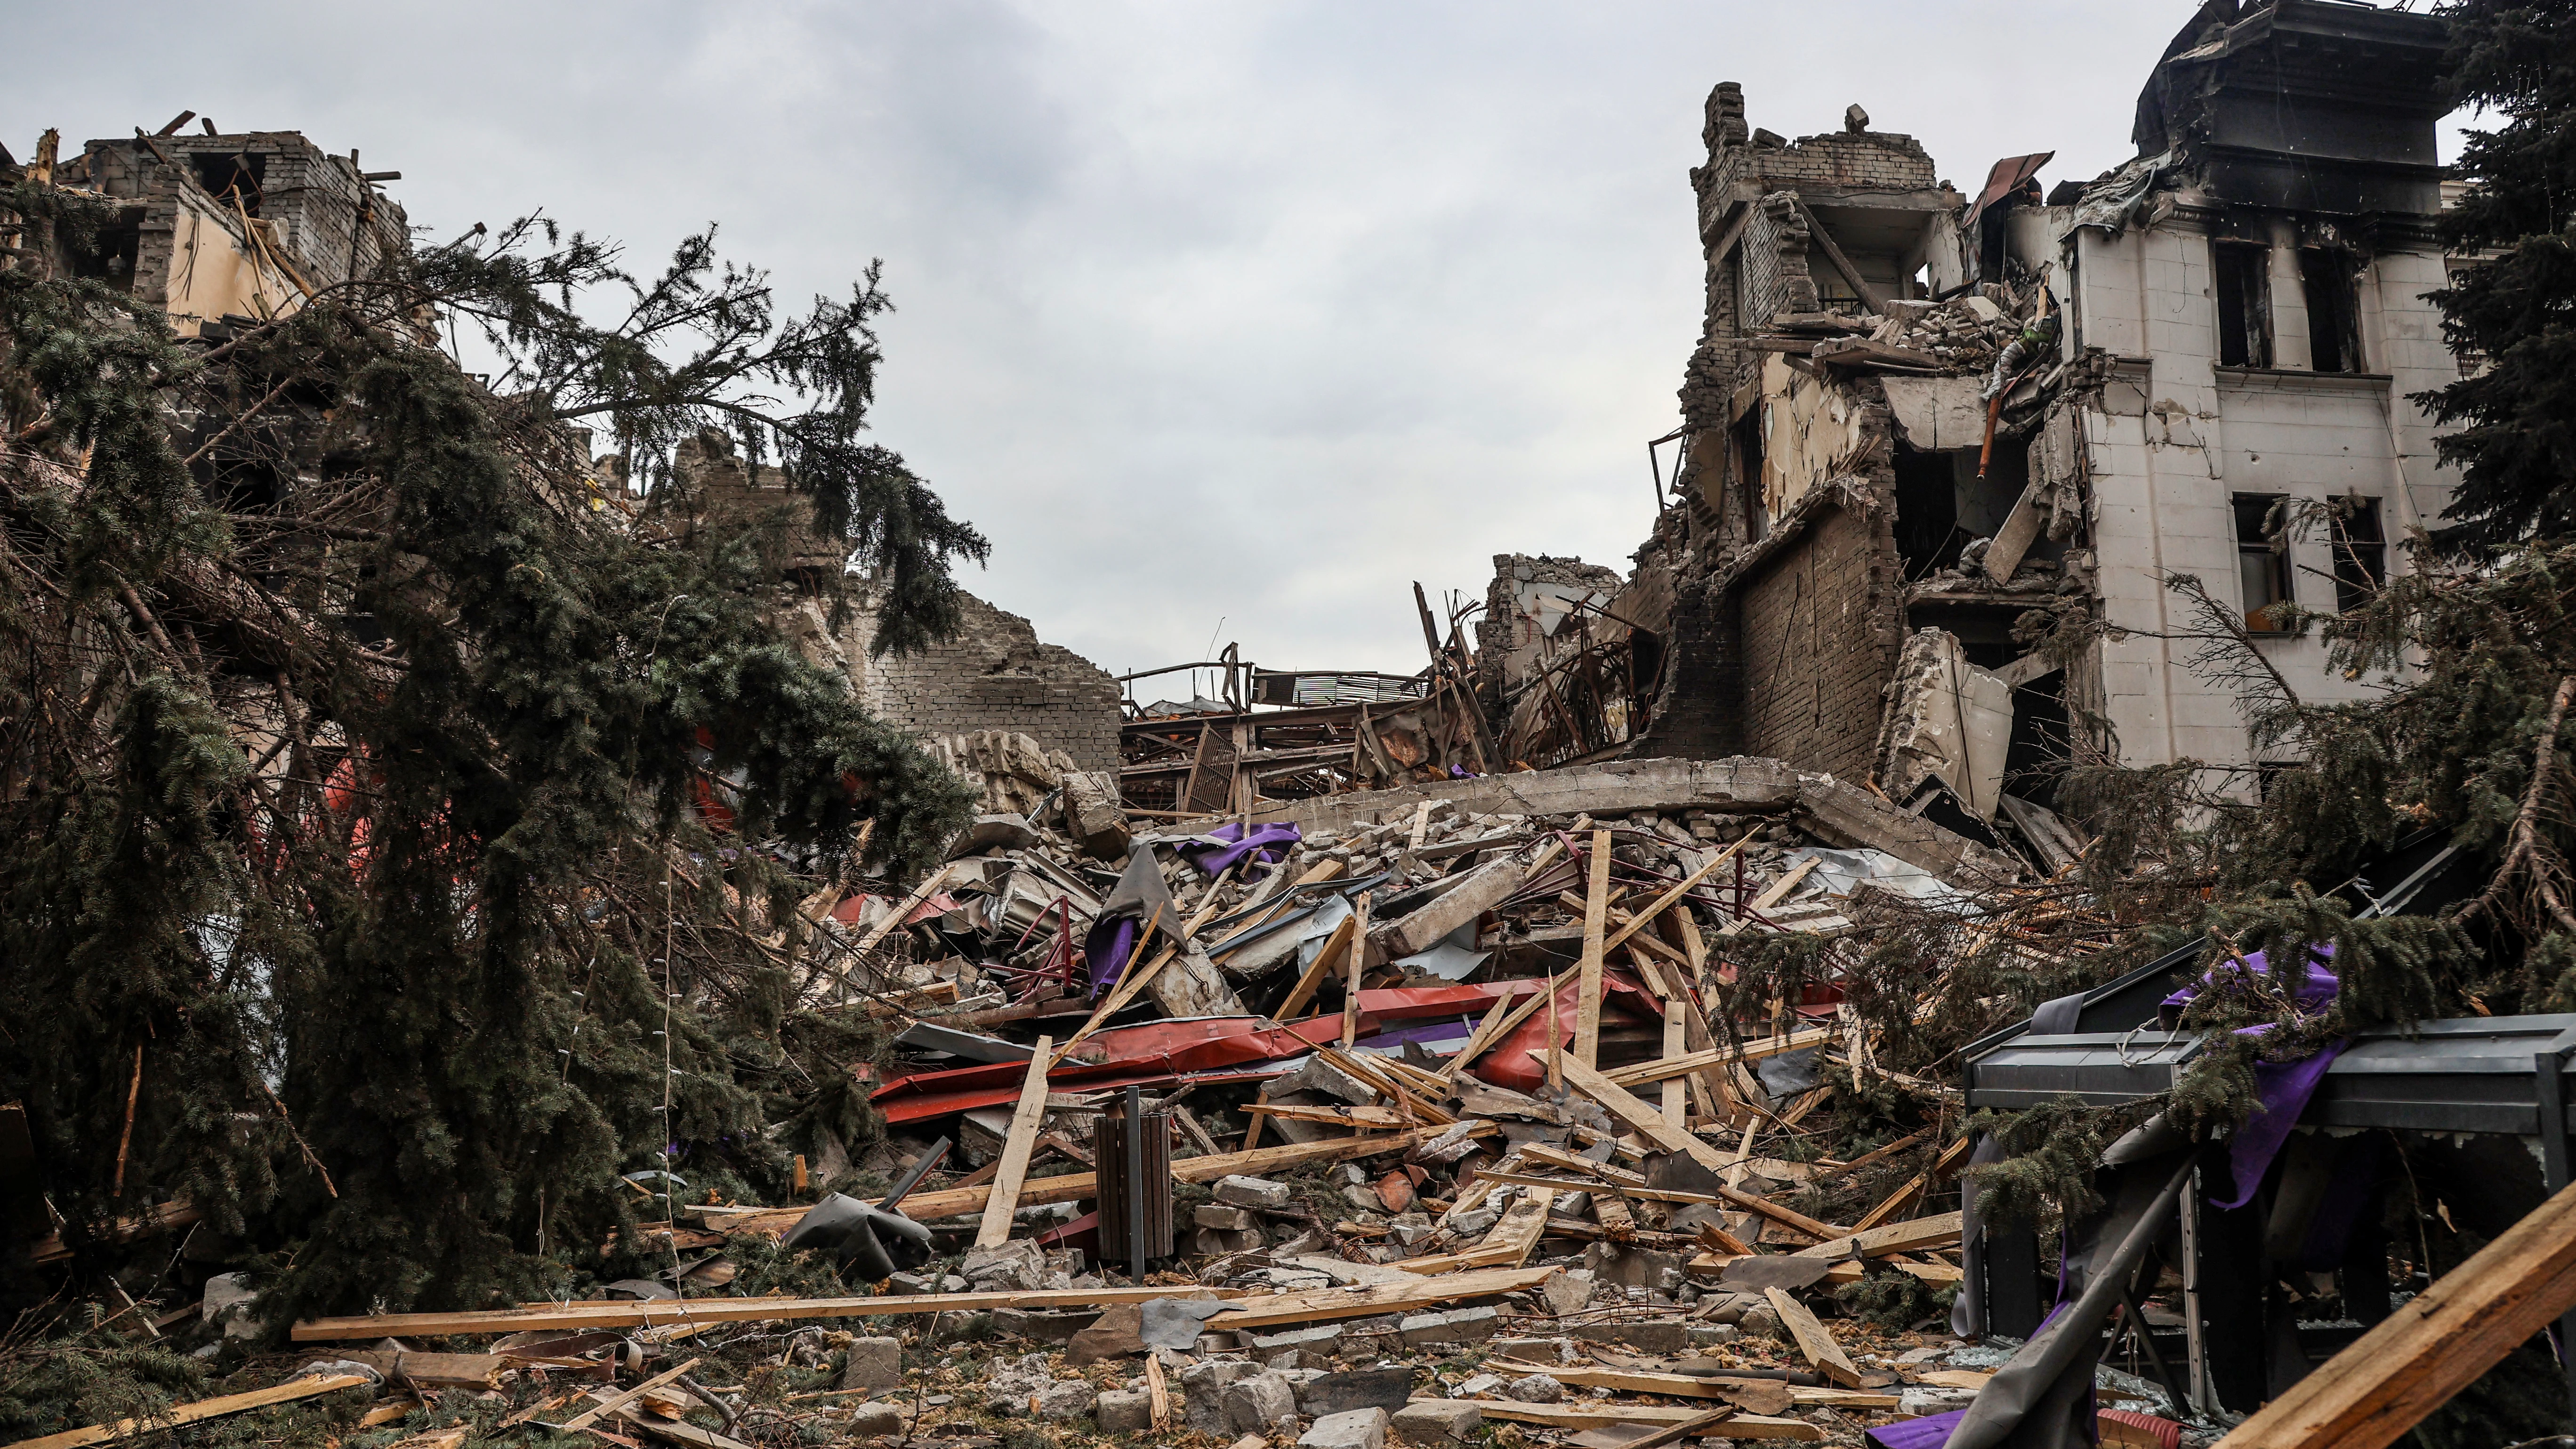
<point>1556,1170</point>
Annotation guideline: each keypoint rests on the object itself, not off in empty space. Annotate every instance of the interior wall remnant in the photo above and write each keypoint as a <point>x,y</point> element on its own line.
<point>1819,637</point>
<point>1811,432</point>
<point>1948,720</point>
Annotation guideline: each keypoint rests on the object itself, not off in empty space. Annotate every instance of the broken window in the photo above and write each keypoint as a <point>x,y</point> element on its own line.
<point>2242,271</point>
<point>2262,570</point>
<point>2360,552</point>
<point>221,172</point>
<point>2334,326</point>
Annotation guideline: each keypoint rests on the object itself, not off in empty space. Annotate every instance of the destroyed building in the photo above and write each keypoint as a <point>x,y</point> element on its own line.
<point>220,225</point>
<point>1916,419</point>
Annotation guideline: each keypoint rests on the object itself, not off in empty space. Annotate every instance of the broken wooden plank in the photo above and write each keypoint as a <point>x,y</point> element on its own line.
<point>1644,1073</point>
<point>953,1202</point>
<point>2415,1359</point>
<point>1719,1423</point>
<point>1909,1237</point>
<point>1507,1244</point>
<point>1005,1197</point>
<point>1814,1340</point>
<point>1160,1394</point>
<point>198,1412</point>
<point>643,1312</point>
<point>1326,958</point>
<point>1676,1094</point>
<point>1587,997</point>
<point>1694,1386</point>
<point>621,1399</point>
<point>1445,1290</point>
<point>1129,983</point>
<point>1689,882</point>
<point>1652,1124</point>
<point>1356,954</point>
<point>1485,1039</point>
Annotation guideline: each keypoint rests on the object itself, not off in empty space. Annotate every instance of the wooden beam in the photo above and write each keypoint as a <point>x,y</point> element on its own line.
<point>1587,997</point>
<point>1869,295</point>
<point>1446,1289</point>
<point>1326,957</point>
<point>1647,915</point>
<point>2384,1384</point>
<point>1676,1095</point>
<point>1650,1122</point>
<point>1506,1245</point>
<point>1694,1386</point>
<point>197,1412</point>
<point>1646,1073</point>
<point>1357,954</point>
<point>1700,1423</point>
<point>617,1401</point>
<point>1005,1197</point>
<point>1910,1237</point>
<point>1814,1339</point>
<point>704,1312</point>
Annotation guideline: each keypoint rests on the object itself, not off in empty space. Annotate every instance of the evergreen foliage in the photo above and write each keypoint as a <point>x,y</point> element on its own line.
<point>2516,440</point>
<point>358,761</point>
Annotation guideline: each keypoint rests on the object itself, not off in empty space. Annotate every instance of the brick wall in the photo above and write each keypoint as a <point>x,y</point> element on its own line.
<point>310,196</point>
<point>1819,635</point>
<point>993,674</point>
<point>1699,711</point>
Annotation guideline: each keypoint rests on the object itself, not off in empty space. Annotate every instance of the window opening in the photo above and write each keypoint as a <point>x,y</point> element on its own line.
<point>2262,571</point>
<point>2244,303</point>
<point>2334,331</point>
<point>2360,552</point>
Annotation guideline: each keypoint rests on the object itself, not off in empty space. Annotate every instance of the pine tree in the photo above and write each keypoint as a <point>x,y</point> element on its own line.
<point>2515,439</point>
<point>353,757</point>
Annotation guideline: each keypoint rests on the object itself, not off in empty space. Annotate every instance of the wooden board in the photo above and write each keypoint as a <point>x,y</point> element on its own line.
<point>1587,992</point>
<point>197,1412</point>
<point>1602,1416</point>
<point>1814,1339</point>
<point>2415,1359</point>
<point>1647,916</point>
<point>1751,1051</point>
<point>1325,960</point>
<point>623,1397</point>
<point>638,1313</point>
<point>1676,1096</point>
<point>1507,1244</point>
<point>952,1202</point>
<point>1005,1197</point>
<point>1647,1120</point>
<point>1907,1237</point>
<point>1448,1290</point>
<point>1694,1386</point>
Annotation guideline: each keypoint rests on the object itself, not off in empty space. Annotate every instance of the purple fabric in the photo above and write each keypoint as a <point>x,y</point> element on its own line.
<point>2281,1092</point>
<point>2318,989</point>
<point>1107,947</point>
<point>2281,1089</point>
<point>1926,1433</point>
<point>1223,846</point>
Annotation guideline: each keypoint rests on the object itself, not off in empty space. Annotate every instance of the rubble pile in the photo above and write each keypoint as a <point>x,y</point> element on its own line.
<point>1439,1126</point>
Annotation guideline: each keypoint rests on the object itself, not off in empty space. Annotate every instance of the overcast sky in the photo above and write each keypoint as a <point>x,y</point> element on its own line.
<point>1239,312</point>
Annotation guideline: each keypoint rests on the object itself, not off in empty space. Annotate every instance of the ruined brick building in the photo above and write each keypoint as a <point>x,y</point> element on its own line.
<point>1916,418</point>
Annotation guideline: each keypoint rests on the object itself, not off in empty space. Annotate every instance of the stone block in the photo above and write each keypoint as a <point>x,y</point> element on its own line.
<point>1358,1429</point>
<point>1660,1335</point>
<point>874,1419</point>
<point>1321,1340</point>
<point>1567,1291</point>
<point>1918,1400</point>
<point>1710,1335</point>
<point>1459,1325</point>
<point>1633,1267</point>
<point>1257,1404</point>
<point>1222,1218</point>
<point>1211,1242</point>
<point>873,1363</point>
<point>1203,1387</point>
<point>1065,1400</point>
<point>1125,1411</point>
<point>1380,1388</point>
<point>1435,1423</point>
<point>1018,1264</point>
<point>1253,1192</point>
<point>1530,1350</point>
<point>1534,1389</point>
<point>1044,1324</point>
